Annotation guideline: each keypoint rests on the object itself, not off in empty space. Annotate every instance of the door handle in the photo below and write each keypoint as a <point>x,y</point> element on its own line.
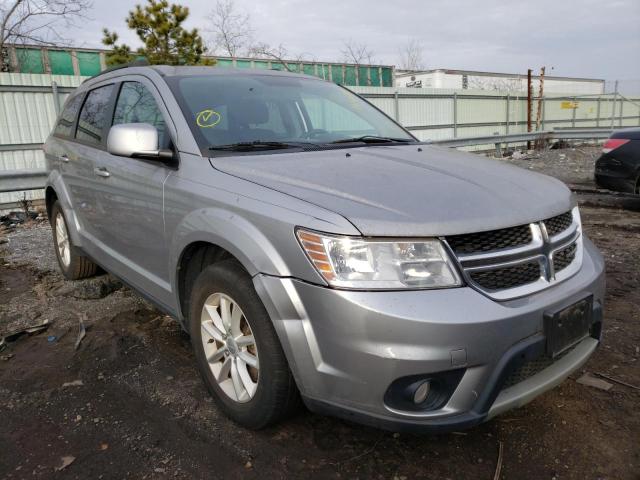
<point>63,158</point>
<point>101,172</point>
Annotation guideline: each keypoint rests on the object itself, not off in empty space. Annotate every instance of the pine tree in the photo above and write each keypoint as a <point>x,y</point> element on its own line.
<point>158,24</point>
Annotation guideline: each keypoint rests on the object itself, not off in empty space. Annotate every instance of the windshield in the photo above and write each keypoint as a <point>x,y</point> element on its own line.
<point>224,110</point>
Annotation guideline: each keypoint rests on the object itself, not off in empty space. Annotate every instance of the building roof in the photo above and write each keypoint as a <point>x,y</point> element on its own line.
<point>407,73</point>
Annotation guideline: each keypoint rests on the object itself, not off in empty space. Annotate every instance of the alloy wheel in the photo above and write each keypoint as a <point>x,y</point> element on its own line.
<point>62,240</point>
<point>230,348</point>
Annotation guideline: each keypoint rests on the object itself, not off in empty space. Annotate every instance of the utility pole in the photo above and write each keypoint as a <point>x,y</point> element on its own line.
<point>540,94</point>
<point>529,88</point>
<point>540,142</point>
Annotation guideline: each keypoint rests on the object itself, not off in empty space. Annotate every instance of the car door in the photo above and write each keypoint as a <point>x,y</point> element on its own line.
<point>59,144</point>
<point>130,204</point>
<point>79,161</point>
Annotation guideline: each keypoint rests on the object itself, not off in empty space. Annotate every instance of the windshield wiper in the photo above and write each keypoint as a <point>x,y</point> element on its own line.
<point>374,139</point>
<point>258,145</point>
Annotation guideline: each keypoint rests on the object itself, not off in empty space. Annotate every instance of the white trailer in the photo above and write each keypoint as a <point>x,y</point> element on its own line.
<point>503,82</point>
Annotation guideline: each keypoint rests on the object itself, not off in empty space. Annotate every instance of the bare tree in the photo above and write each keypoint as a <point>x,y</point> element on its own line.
<point>38,22</point>
<point>233,35</point>
<point>232,31</point>
<point>357,53</point>
<point>278,53</point>
<point>412,55</point>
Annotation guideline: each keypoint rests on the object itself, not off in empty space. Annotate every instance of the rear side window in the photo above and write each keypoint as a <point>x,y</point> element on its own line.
<point>137,105</point>
<point>64,127</point>
<point>94,117</point>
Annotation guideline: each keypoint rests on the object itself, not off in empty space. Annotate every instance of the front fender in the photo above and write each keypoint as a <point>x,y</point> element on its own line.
<point>253,223</point>
<point>239,237</point>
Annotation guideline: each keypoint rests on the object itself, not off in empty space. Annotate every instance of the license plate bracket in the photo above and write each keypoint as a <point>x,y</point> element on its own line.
<point>567,326</point>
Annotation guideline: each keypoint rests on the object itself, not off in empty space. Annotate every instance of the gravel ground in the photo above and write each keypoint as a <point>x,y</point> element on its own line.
<point>128,403</point>
<point>573,166</point>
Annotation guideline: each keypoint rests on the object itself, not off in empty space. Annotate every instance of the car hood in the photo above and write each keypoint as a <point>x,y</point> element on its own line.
<point>406,191</point>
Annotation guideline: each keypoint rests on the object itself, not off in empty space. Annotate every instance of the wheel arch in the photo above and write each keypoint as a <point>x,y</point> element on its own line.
<point>56,190</point>
<point>50,197</point>
<point>194,258</point>
<point>199,241</point>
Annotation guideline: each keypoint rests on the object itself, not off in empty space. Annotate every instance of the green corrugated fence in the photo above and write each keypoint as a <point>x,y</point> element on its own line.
<point>91,62</point>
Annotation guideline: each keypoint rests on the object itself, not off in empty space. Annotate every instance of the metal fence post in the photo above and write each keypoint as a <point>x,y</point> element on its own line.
<point>455,115</point>
<point>621,107</point>
<point>56,98</point>
<point>613,108</point>
<point>573,113</point>
<point>507,113</point>
<point>544,111</point>
<point>396,106</point>
<point>498,147</point>
<point>598,113</point>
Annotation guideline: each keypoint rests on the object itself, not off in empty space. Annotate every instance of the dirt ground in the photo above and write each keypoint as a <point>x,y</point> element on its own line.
<point>128,403</point>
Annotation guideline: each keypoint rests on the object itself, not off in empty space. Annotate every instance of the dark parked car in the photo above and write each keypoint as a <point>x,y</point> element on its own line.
<point>619,166</point>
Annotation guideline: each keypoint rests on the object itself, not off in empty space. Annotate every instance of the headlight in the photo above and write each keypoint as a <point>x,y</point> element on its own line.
<point>353,262</point>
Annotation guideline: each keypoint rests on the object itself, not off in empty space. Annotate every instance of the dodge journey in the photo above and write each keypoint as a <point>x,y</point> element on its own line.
<point>316,251</point>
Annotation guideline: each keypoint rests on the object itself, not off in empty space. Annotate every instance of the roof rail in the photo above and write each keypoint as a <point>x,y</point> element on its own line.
<point>141,62</point>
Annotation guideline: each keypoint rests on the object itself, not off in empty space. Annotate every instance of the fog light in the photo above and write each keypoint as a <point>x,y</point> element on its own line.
<point>421,393</point>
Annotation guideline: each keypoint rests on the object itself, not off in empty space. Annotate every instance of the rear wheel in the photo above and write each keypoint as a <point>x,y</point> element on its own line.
<point>236,347</point>
<point>72,263</point>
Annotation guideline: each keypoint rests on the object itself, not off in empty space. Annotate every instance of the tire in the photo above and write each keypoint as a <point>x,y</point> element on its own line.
<point>73,264</point>
<point>274,395</point>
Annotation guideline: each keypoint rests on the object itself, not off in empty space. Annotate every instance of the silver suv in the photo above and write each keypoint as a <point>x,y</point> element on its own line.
<point>315,250</point>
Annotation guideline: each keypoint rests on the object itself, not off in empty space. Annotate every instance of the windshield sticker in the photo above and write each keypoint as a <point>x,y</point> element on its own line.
<point>208,118</point>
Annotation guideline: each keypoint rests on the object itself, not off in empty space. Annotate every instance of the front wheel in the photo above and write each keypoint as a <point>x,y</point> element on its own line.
<point>236,347</point>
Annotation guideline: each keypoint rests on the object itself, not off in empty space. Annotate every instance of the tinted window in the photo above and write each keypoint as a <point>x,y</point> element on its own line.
<point>137,105</point>
<point>94,116</point>
<point>68,117</point>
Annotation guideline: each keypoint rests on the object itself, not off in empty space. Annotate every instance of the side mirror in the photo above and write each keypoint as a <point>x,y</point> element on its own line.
<point>136,140</point>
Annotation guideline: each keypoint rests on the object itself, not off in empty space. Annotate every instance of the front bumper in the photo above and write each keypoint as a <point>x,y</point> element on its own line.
<point>619,176</point>
<point>345,348</point>
<point>615,181</point>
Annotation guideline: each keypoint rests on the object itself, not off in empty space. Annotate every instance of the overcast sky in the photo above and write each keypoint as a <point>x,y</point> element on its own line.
<point>586,38</point>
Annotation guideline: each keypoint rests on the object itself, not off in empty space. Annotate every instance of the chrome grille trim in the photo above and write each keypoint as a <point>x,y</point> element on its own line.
<point>541,249</point>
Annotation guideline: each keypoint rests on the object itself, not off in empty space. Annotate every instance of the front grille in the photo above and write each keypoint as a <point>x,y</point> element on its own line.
<point>563,258</point>
<point>491,240</point>
<point>500,261</point>
<point>482,242</point>
<point>530,368</point>
<point>558,224</point>
<point>507,277</point>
